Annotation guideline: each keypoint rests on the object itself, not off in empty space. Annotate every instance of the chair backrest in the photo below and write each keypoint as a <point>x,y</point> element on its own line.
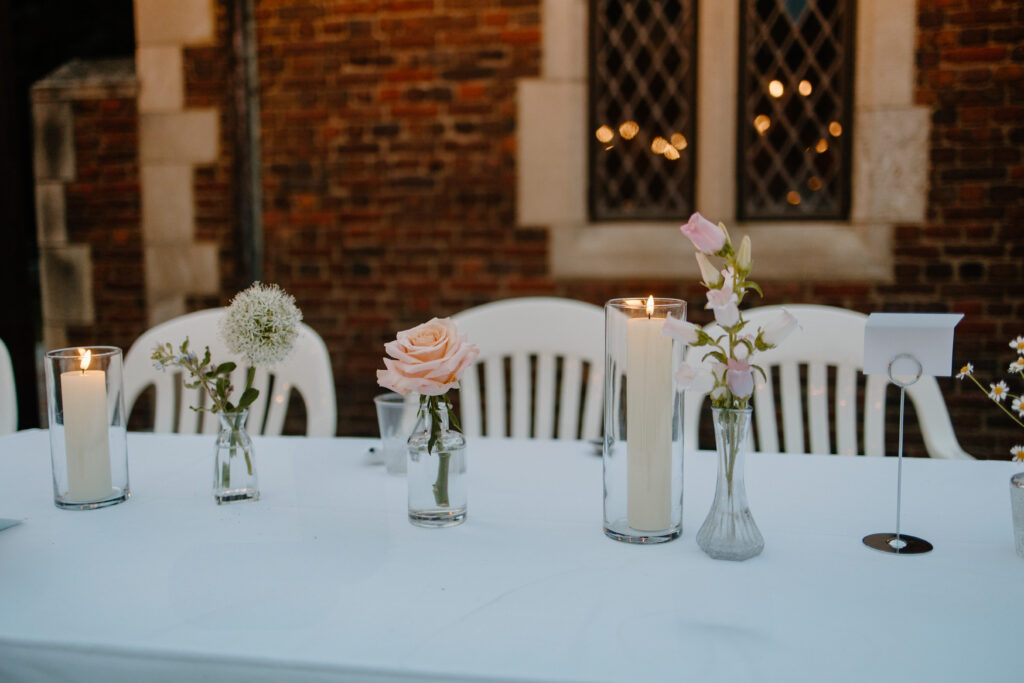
<point>307,369</point>
<point>829,338</point>
<point>554,349</point>
<point>8,395</point>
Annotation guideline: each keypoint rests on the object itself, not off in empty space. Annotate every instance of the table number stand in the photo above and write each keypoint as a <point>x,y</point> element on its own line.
<point>905,346</point>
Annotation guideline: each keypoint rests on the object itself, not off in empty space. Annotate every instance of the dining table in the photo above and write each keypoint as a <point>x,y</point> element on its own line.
<point>324,578</point>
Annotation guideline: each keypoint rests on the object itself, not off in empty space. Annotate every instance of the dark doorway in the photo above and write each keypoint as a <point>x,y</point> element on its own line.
<point>36,37</point>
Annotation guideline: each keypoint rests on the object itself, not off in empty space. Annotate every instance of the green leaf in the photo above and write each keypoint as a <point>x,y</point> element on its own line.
<point>225,368</point>
<point>754,286</point>
<point>248,396</point>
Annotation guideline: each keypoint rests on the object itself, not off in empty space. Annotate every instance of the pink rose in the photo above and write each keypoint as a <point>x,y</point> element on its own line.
<point>705,235</point>
<point>429,359</point>
<point>739,378</point>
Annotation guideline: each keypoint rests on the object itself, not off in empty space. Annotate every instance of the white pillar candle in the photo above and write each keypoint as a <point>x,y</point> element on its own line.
<point>648,423</point>
<point>84,398</point>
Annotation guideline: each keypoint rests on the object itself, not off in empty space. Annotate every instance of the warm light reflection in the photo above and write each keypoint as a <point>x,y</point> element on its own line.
<point>604,134</point>
<point>678,141</point>
<point>629,129</point>
<point>658,145</point>
<point>85,358</point>
<point>822,146</point>
<point>671,153</point>
<point>805,88</point>
<point>635,303</point>
<point>835,128</point>
<point>793,197</point>
<point>776,89</point>
<point>762,123</point>
<point>813,183</point>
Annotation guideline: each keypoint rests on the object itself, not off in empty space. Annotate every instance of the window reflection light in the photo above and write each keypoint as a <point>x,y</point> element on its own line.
<point>822,146</point>
<point>678,141</point>
<point>805,88</point>
<point>813,183</point>
<point>835,128</point>
<point>604,134</point>
<point>671,153</point>
<point>629,129</point>
<point>658,145</point>
<point>775,88</point>
<point>793,197</point>
<point>762,123</point>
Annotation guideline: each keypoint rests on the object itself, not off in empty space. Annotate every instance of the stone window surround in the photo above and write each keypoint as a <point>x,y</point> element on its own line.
<point>889,166</point>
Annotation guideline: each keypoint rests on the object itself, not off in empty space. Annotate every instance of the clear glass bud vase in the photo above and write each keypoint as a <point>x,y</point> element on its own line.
<point>436,476</point>
<point>729,532</point>
<point>234,467</point>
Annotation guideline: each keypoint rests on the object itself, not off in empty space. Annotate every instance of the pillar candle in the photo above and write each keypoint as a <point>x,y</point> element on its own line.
<point>84,398</point>
<point>649,396</point>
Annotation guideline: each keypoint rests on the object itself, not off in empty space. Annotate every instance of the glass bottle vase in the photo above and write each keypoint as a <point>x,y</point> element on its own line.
<point>729,531</point>
<point>436,476</point>
<point>234,466</point>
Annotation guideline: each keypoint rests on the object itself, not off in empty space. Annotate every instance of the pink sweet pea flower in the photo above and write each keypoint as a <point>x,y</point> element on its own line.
<point>739,378</point>
<point>723,302</point>
<point>705,235</point>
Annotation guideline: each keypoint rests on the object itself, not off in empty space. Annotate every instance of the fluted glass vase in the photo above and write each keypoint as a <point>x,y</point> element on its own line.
<point>729,532</point>
<point>234,467</point>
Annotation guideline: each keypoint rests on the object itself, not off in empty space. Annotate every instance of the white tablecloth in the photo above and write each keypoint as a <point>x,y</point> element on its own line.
<point>324,579</point>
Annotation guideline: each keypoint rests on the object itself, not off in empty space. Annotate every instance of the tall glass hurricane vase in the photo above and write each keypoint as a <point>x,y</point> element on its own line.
<point>436,476</point>
<point>234,468</point>
<point>729,532</point>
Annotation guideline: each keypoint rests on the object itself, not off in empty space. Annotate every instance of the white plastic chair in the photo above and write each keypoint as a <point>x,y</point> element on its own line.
<point>8,395</point>
<point>307,369</point>
<point>831,337</point>
<point>555,349</point>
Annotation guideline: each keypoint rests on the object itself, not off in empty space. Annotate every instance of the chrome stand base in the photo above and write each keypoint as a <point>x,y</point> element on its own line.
<point>899,545</point>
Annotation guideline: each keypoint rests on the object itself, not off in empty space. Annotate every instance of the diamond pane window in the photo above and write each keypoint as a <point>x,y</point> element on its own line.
<point>642,90</point>
<point>796,92</point>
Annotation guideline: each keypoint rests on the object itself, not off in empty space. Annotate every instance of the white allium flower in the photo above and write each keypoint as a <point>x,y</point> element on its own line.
<point>261,323</point>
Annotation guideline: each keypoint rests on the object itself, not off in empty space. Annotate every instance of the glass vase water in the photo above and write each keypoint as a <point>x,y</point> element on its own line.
<point>729,531</point>
<point>436,477</point>
<point>234,467</point>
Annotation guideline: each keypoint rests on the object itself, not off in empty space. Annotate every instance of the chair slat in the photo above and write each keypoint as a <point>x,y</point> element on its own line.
<point>593,405</point>
<point>569,412</point>
<point>792,408</point>
<point>874,415</point>
<point>846,410</point>
<point>544,397</point>
<point>258,410</point>
<point>764,413</point>
<point>817,407</point>
<point>275,406</point>
<point>469,403</point>
<point>521,400</point>
<point>494,390</point>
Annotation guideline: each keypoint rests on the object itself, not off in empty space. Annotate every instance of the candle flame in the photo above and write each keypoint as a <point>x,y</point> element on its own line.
<point>86,358</point>
<point>650,306</point>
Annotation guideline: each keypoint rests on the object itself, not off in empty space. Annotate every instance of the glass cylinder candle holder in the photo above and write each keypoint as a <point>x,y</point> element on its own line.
<point>643,443</point>
<point>88,427</point>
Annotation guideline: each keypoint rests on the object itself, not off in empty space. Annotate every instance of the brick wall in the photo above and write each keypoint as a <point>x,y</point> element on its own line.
<point>103,211</point>
<point>389,139</point>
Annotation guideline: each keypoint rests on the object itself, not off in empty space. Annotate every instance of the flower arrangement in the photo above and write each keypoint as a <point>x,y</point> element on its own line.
<point>261,324</point>
<point>732,370</point>
<point>429,359</point>
<point>1000,393</point>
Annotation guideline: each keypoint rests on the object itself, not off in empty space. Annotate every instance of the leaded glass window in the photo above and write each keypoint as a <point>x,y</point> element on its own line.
<point>642,90</point>
<point>796,92</point>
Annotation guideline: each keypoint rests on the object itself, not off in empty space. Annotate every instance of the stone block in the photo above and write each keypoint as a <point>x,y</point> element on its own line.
<point>565,39</point>
<point>161,79</point>
<point>182,22</point>
<point>552,152</point>
<point>183,137</point>
<point>890,165</point>
<point>65,275</point>
<point>51,214</point>
<point>168,209</point>
<point>54,145</point>
<point>179,269</point>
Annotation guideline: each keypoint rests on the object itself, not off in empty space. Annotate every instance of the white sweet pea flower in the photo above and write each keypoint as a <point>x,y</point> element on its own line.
<point>779,327</point>
<point>680,330</point>
<point>710,274</point>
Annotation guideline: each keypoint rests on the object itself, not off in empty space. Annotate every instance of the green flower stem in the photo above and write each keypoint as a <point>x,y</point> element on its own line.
<point>998,403</point>
<point>441,485</point>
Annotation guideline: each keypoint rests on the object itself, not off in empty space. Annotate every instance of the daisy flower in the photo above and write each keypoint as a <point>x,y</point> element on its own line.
<point>1018,405</point>
<point>965,370</point>
<point>997,392</point>
<point>1018,453</point>
<point>1018,345</point>
<point>1017,366</point>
